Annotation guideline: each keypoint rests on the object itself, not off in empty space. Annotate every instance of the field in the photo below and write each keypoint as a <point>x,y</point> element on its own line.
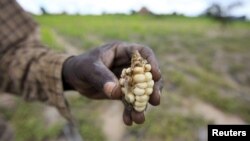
<point>205,66</point>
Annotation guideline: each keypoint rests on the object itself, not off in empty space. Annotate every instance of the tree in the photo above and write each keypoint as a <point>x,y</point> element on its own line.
<point>43,10</point>
<point>222,14</point>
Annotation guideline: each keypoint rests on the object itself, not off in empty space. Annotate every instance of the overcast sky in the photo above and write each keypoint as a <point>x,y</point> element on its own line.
<point>186,7</point>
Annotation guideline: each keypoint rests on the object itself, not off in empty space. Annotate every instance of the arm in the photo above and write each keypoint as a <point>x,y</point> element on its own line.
<point>27,68</point>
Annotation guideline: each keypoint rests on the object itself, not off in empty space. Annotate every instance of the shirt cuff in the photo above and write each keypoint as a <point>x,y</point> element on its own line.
<point>54,83</point>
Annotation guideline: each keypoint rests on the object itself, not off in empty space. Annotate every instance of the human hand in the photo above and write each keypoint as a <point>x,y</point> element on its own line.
<point>95,74</point>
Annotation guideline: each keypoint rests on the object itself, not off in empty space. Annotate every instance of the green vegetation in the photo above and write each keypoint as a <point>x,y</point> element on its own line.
<point>198,58</point>
<point>168,123</point>
<point>87,118</point>
<point>49,39</point>
<point>28,122</point>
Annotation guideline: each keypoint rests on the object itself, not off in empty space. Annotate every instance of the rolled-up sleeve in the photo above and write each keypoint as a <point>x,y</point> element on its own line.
<point>27,68</point>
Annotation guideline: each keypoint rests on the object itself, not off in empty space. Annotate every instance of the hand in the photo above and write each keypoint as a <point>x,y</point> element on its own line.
<point>95,74</point>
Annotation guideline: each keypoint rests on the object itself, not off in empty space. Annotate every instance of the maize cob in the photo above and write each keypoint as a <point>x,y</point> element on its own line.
<point>137,82</point>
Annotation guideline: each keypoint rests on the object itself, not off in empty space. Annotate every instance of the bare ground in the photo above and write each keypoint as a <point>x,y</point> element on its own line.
<point>113,126</point>
<point>209,112</point>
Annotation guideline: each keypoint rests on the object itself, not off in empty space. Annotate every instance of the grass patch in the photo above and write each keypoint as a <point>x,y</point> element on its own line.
<point>48,38</point>
<point>87,118</point>
<point>207,87</point>
<point>165,124</point>
<point>28,122</point>
<point>211,94</point>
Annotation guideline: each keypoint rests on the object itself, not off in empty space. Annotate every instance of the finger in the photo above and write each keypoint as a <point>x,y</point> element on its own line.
<point>148,54</point>
<point>126,49</point>
<point>156,95</point>
<point>127,119</point>
<point>137,117</point>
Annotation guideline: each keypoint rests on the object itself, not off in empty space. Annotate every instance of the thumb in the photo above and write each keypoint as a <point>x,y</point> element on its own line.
<point>112,90</point>
<point>104,80</point>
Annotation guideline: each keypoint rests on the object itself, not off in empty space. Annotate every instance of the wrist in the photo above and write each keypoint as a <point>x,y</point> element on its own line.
<point>66,74</point>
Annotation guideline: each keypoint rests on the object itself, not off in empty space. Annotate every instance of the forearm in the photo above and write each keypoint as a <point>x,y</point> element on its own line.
<point>33,72</point>
<point>27,68</point>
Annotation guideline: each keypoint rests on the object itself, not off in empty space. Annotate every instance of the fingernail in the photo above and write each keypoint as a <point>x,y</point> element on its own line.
<point>159,71</point>
<point>108,88</point>
<point>159,92</point>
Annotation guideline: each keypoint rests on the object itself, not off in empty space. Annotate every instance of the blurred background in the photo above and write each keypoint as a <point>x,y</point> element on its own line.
<point>203,47</point>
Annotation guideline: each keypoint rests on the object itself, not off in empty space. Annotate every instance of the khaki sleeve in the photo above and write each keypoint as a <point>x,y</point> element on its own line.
<point>27,68</point>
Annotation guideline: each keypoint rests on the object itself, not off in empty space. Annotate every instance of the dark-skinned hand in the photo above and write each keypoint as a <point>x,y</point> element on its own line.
<point>95,74</point>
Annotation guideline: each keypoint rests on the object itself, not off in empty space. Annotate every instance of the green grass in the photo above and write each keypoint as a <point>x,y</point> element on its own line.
<point>87,118</point>
<point>124,28</point>
<point>28,122</point>
<point>176,126</point>
<point>49,39</point>
<point>168,123</point>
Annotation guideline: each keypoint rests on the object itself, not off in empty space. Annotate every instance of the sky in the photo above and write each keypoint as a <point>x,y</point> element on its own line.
<point>96,7</point>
